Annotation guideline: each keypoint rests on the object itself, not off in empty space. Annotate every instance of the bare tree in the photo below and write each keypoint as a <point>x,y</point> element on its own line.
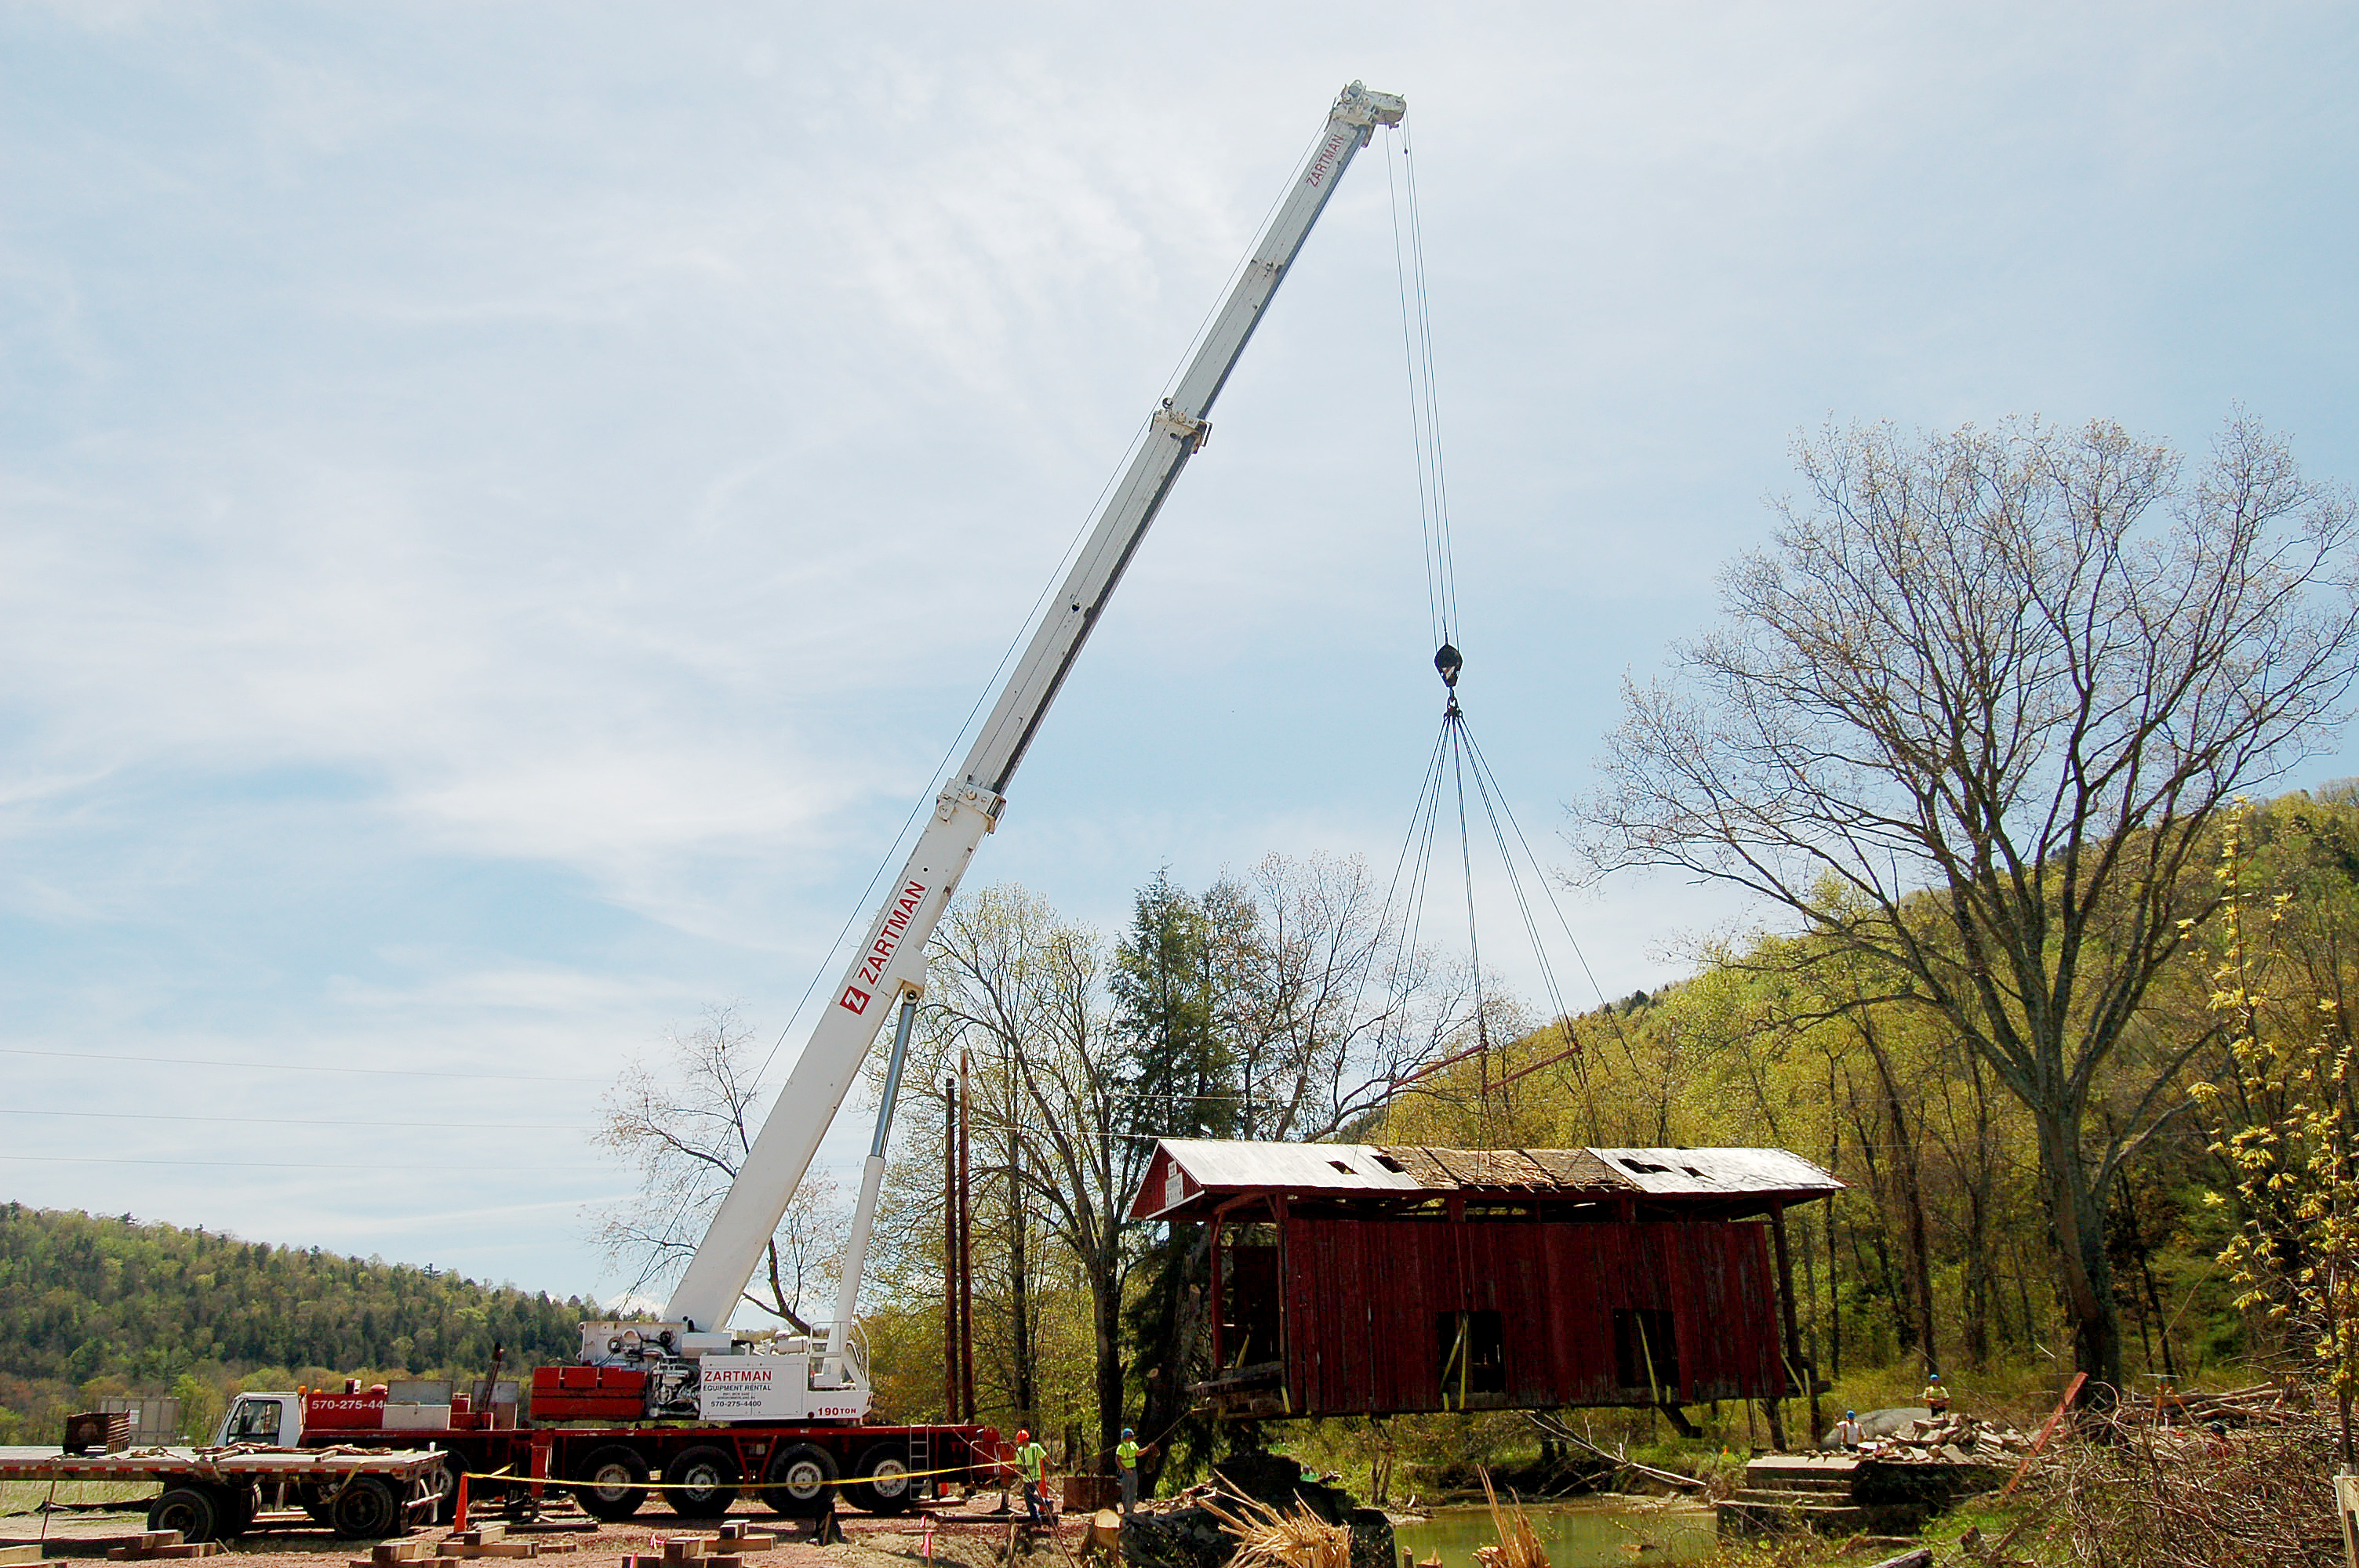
<point>687,1125</point>
<point>1971,716</point>
<point>1329,1010</point>
<point>1024,991</point>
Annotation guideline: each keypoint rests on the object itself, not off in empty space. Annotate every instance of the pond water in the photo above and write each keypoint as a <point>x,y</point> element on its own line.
<point>1591,1532</point>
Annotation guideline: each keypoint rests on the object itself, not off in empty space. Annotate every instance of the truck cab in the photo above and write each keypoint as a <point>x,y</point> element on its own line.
<point>357,1413</point>
<point>275,1420</point>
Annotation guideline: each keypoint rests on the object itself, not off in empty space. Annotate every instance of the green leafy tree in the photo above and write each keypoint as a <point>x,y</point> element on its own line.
<point>2292,1137</point>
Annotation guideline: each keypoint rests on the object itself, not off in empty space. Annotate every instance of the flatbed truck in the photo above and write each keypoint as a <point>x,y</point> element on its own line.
<point>222,1493</point>
<point>613,1465</point>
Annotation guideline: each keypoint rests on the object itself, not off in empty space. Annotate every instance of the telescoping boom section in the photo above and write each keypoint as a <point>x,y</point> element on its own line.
<point>888,967</point>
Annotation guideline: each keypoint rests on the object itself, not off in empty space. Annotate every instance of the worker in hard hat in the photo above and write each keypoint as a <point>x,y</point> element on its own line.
<point>1937,1395</point>
<point>1848,1433</point>
<point>1032,1469</point>
<point>1126,1468</point>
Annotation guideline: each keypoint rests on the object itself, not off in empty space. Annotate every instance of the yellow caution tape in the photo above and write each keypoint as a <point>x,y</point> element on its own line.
<point>741,1484</point>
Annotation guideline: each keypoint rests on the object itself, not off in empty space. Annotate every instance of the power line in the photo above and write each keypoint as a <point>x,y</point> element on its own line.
<point>298,1066</point>
<point>378,1167</point>
<point>309,1122</point>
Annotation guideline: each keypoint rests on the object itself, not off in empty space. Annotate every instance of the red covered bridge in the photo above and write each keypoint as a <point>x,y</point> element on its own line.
<point>1354,1279</point>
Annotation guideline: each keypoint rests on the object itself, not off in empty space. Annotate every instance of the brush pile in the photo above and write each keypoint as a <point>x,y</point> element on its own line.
<point>1268,1538</point>
<point>1267,1496</point>
<point>2134,1493</point>
<point>1950,1440</point>
<point>2262,1404</point>
<point>1517,1546</point>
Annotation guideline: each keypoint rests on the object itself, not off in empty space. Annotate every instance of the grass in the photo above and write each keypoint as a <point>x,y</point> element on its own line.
<point>26,1496</point>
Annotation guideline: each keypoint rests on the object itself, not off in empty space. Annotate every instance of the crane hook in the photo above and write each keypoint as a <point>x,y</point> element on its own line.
<point>1449,661</point>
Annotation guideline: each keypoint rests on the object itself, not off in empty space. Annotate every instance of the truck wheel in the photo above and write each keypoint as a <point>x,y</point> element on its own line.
<point>884,1487</point>
<point>706,1482</point>
<point>617,1481</point>
<point>802,1481</point>
<point>194,1512</point>
<point>366,1509</point>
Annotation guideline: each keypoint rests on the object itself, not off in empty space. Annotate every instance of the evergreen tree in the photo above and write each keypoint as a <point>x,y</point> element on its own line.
<point>1168,988</point>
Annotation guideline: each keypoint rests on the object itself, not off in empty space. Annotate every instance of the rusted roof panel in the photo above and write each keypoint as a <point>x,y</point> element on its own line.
<point>1522,1170</point>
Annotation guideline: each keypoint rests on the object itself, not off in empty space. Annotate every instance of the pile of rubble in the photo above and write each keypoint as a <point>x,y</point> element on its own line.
<point>1951,1440</point>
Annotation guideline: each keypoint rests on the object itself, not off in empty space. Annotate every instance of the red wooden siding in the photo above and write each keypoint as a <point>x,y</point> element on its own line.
<point>1362,1298</point>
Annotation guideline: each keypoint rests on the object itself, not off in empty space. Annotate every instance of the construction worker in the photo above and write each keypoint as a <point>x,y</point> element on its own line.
<point>1937,1397</point>
<point>1848,1433</point>
<point>1032,1469</point>
<point>1126,1467</point>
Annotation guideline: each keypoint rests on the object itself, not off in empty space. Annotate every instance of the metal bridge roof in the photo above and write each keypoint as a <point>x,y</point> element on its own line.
<point>1189,1176</point>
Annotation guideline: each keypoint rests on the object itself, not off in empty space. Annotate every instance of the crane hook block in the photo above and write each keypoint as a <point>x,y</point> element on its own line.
<point>1449,661</point>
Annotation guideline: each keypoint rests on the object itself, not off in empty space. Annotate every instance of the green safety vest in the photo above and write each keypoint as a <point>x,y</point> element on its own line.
<point>1126,1453</point>
<point>1032,1462</point>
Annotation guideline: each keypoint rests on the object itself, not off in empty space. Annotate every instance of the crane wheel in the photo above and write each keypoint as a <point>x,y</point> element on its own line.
<point>706,1477</point>
<point>884,1487</point>
<point>802,1482</point>
<point>365,1510</point>
<point>613,1484</point>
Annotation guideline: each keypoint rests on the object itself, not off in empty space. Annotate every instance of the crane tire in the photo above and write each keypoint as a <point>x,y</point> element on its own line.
<point>884,1486</point>
<point>707,1476</point>
<point>194,1512</point>
<point>613,1483</point>
<point>801,1481</point>
<point>366,1509</point>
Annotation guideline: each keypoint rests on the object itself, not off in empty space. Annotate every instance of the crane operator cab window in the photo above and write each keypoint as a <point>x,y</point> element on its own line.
<point>257,1420</point>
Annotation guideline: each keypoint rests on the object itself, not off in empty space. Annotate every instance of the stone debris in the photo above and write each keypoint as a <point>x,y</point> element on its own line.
<point>1949,1440</point>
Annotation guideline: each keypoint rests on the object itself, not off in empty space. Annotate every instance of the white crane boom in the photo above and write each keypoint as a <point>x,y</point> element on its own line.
<point>891,963</point>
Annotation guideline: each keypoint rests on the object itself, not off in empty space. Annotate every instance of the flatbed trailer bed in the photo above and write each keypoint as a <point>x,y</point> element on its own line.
<point>799,1469</point>
<point>220,1494</point>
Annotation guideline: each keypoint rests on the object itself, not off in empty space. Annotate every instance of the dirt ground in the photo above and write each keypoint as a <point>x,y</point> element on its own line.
<point>970,1536</point>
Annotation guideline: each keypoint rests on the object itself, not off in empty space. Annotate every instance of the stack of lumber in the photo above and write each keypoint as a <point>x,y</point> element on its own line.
<point>2261,1404</point>
<point>162,1543</point>
<point>31,1556</point>
<point>729,1549</point>
<point>492,1539</point>
<point>414,1554</point>
<point>1951,1440</point>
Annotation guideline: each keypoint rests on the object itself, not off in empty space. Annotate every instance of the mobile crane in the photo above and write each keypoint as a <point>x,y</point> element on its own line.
<point>888,970</point>
<point>712,1409</point>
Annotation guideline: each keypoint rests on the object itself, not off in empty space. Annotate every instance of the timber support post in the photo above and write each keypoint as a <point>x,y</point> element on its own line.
<point>1795,1365</point>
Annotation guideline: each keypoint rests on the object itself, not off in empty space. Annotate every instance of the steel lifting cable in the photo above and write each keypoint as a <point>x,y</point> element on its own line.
<point>1424,412</point>
<point>1456,753</point>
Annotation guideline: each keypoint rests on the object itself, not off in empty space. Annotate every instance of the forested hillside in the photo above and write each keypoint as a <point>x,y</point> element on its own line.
<point>92,1300</point>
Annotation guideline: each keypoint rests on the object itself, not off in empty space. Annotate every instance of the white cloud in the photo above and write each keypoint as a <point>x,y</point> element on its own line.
<point>501,512</point>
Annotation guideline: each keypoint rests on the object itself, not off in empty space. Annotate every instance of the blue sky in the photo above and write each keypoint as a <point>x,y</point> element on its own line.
<point>505,504</point>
